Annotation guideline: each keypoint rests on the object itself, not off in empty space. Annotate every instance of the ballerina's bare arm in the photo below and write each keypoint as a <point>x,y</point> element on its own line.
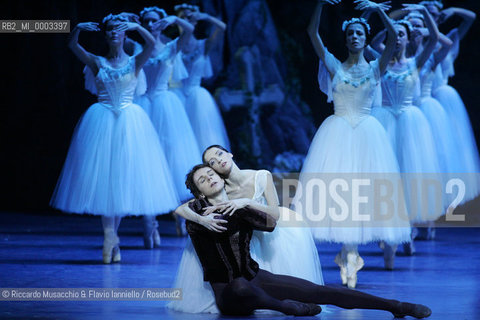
<point>370,52</point>
<point>467,16</point>
<point>433,32</point>
<point>377,41</point>
<point>142,57</point>
<point>229,207</point>
<point>83,55</point>
<point>187,28</point>
<point>209,221</point>
<point>220,28</point>
<point>315,36</point>
<point>389,49</point>
<point>270,194</point>
<point>441,54</point>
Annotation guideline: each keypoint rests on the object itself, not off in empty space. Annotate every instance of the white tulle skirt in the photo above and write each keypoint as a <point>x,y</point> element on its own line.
<point>340,151</point>
<point>205,117</point>
<point>176,136</point>
<point>418,159</point>
<point>449,157</point>
<point>464,138</point>
<point>288,250</point>
<point>114,166</point>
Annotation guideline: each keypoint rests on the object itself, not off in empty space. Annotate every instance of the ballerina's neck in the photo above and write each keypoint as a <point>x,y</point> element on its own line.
<point>236,176</point>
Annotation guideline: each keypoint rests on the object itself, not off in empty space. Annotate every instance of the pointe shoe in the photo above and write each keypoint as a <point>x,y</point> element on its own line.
<point>343,269</point>
<point>116,256</point>
<point>418,311</point>
<point>111,250</point>
<point>151,237</point>
<point>389,256</point>
<point>354,264</point>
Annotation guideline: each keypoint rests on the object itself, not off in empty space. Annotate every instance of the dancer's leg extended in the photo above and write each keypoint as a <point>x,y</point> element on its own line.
<point>285,287</point>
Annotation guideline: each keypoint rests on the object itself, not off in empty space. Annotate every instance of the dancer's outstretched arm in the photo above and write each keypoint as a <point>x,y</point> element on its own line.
<point>377,41</point>
<point>219,25</point>
<point>315,36</point>
<point>186,27</point>
<point>467,19</point>
<point>440,54</point>
<point>370,52</point>
<point>142,57</point>
<point>434,34</point>
<point>392,34</point>
<point>82,54</point>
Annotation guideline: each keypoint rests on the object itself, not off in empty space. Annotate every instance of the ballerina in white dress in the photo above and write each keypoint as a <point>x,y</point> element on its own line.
<point>278,252</point>
<point>449,98</point>
<point>351,143</point>
<point>409,128</point>
<point>201,107</point>
<point>165,109</point>
<point>114,163</point>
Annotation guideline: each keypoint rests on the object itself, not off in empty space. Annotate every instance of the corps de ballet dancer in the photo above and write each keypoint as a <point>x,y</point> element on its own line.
<point>408,128</point>
<point>165,109</point>
<point>201,107</point>
<point>114,166</point>
<point>352,142</point>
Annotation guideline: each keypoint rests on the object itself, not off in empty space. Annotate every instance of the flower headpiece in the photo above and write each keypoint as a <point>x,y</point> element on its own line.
<point>118,17</point>
<point>404,23</point>
<point>184,6</point>
<point>362,21</point>
<point>415,15</point>
<point>437,3</point>
<point>161,13</point>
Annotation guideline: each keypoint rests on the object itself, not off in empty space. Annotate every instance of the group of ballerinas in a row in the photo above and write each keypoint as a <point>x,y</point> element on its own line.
<point>419,126</point>
<point>131,150</point>
<point>114,166</point>
<point>405,133</point>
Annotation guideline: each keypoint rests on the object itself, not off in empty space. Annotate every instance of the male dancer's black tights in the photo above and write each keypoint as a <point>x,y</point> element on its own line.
<point>268,290</point>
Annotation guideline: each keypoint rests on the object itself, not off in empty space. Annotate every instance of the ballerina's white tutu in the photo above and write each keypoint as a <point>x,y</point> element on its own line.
<point>350,144</point>
<point>113,166</point>
<point>287,250</point>
<point>169,117</point>
<point>205,117</point>
<point>462,132</point>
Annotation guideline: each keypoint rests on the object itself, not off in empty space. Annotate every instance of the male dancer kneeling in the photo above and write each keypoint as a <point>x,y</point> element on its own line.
<point>239,285</point>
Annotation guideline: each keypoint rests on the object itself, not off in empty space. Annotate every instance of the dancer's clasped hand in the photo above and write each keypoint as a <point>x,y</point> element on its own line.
<point>228,207</point>
<point>213,222</point>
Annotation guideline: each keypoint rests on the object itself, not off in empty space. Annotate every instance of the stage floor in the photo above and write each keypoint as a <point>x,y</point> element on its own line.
<point>64,251</point>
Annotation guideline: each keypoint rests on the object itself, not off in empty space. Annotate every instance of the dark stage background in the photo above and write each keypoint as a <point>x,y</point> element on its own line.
<point>42,94</point>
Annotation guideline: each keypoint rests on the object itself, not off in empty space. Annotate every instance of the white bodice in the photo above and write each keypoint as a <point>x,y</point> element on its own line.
<point>116,86</point>
<point>352,91</point>
<point>197,63</point>
<point>401,87</point>
<point>260,186</point>
<point>162,68</point>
